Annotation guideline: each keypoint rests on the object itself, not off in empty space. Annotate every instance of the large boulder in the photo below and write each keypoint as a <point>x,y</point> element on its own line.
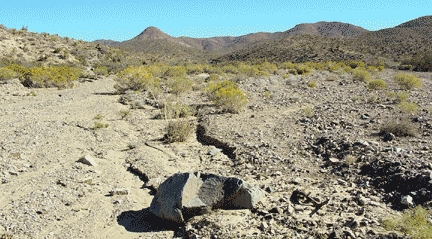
<point>185,195</point>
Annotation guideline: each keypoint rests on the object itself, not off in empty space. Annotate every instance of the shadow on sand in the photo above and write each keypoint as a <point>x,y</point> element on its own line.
<point>145,221</point>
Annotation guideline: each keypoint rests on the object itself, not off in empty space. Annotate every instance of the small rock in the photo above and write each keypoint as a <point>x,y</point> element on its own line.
<point>334,161</point>
<point>119,191</point>
<point>214,151</point>
<point>264,226</point>
<point>365,116</point>
<point>388,137</point>
<point>407,200</point>
<point>12,172</point>
<point>88,160</point>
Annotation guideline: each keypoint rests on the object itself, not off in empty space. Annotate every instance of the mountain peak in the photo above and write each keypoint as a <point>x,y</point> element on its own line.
<point>153,33</point>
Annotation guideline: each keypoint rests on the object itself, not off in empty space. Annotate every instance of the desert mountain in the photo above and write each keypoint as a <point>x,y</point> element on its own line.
<point>327,29</point>
<point>425,21</point>
<point>229,43</point>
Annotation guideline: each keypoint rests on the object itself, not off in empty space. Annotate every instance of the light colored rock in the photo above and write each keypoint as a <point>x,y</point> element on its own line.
<point>88,160</point>
<point>407,200</point>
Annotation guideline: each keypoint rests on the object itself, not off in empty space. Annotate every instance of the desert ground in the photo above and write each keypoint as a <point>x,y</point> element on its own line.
<point>322,141</point>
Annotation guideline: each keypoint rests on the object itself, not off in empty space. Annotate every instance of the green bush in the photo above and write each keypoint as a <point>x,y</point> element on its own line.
<point>52,76</point>
<point>267,67</point>
<point>227,95</point>
<point>408,81</point>
<point>361,75</point>
<point>175,111</point>
<point>377,84</point>
<point>408,107</point>
<point>180,85</point>
<point>137,78</point>
<point>6,74</point>
<point>413,222</point>
<point>178,131</point>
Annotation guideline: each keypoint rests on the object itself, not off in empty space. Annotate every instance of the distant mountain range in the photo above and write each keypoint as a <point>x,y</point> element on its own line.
<point>304,42</point>
<point>327,29</point>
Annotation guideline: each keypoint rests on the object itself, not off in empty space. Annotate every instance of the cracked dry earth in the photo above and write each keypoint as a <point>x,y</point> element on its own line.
<point>47,193</point>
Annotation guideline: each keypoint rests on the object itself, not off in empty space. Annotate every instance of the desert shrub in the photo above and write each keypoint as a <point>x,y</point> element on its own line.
<point>398,97</point>
<point>99,125</point>
<point>178,131</point>
<point>355,64</point>
<point>312,84</point>
<point>267,67</point>
<point>287,65</point>
<point>408,107</point>
<point>194,69</point>
<point>179,85</point>
<point>136,78</point>
<point>413,222</point>
<point>402,127</point>
<point>252,71</point>
<point>175,111</point>
<point>421,61</point>
<point>227,95</point>
<point>361,75</point>
<point>101,70</point>
<point>6,74</point>
<point>408,81</point>
<point>303,69</point>
<point>19,70</point>
<point>230,69</point>
<point>377,84</point>
<point>175,71</point>
<point>212,78</point>
<point>52,76</point>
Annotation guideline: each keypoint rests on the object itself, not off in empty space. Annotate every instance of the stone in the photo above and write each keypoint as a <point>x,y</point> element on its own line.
<point>119,191</point>
<point>184,195</point>
<point>88,160</point>
<point>407,200</point>
<point>388,137</point>
<point>214,151</point>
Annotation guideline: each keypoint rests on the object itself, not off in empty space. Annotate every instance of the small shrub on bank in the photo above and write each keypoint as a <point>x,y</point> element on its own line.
<point>402,127</point>
<point>175,111</point>
<point>175,71</point>
<point>137,78</point>
<point>101,70</point>
<point>178,131</point>
<point>413,222</point>
<point>52,76</point>
<point>408,81</point>
<point>6,74</point>
<point>212,78</point>
<point>377,85</point>
<point>227,95</point>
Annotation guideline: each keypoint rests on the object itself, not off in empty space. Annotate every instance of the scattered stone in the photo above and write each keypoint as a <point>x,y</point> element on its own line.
<point>365,116</point>
<point>119,191</point>
<point>388,137</point>
<point>88,160</point>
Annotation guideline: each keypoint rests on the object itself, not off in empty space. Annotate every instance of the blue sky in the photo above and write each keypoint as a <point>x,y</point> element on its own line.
<point>122,20</point>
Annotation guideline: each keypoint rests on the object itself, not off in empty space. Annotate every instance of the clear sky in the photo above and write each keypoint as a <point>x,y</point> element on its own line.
<point>122,20</point>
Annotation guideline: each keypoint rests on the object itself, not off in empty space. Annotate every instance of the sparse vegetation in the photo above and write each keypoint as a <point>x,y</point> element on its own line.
<point>402,127</point>
<point>413,222</point>
<point>312,84</point>
<point>175,111</point>
<point>180,85</point>
<point>99,125</point>
<point>227,95</point>
<point>309,112</point>
<point>137,78</point>
<point>52,76</point>
<point>408,107</point>
<point>6,74</point>
<point>377,85</point>
<point>178,131</point>
<point>408,81</point>
<point>361,75</point>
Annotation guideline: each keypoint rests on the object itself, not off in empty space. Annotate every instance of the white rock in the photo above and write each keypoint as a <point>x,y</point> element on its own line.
<point>88,160</point>
<point>407,200</point>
